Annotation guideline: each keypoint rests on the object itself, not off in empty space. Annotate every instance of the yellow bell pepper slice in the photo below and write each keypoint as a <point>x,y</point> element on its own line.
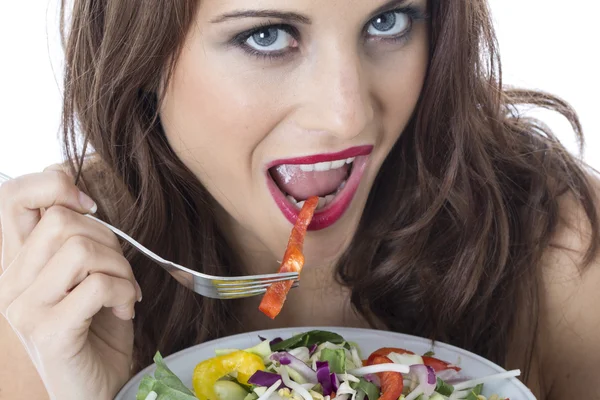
<point>208,372</point>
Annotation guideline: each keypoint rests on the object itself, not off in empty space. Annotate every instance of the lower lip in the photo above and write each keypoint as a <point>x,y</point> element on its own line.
<point>333,211</point>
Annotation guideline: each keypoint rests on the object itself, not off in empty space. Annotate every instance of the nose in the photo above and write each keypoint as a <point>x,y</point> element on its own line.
<point>336,95</point>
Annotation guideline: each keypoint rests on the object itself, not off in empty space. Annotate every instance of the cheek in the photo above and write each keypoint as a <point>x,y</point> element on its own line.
<point>210,121</point>
<point>399,103</point>
<point>399,88</point>
<point>213,121</point>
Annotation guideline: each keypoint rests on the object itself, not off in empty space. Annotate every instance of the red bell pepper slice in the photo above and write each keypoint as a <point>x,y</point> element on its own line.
<point>436,364</point>
<point>293,261</point>
<point>392,383</point>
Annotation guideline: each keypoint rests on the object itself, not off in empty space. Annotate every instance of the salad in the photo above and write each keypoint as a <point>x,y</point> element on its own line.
<point>317,365</point>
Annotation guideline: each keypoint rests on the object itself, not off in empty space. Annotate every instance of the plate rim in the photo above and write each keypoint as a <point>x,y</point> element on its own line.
<point>458,350</point>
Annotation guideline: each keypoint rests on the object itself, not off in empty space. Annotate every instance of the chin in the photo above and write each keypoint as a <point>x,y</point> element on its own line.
<point>326,246</point>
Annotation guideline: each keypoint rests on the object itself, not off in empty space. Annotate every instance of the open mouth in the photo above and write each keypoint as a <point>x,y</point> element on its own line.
<point>334,178</point>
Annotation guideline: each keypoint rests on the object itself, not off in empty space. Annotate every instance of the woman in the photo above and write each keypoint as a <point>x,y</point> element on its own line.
<point>444,213</point>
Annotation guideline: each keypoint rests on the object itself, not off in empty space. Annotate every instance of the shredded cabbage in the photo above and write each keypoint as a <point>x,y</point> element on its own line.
<point>309,366</point>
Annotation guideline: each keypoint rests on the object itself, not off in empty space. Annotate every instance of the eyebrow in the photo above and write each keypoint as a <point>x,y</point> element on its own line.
<point>390,5</point>
<point>283,15</point>
<point>292,16</point>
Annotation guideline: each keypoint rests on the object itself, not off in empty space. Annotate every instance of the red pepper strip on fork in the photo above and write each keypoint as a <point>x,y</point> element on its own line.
<point>293,261</point>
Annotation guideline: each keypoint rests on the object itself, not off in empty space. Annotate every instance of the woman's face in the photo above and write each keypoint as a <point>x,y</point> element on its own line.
<point>274,101</point>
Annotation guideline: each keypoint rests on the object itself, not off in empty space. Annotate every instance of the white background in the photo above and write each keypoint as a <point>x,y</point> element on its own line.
<point>545,44</point>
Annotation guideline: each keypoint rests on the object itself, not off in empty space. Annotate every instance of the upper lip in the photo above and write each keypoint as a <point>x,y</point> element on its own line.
<point>317,158</point>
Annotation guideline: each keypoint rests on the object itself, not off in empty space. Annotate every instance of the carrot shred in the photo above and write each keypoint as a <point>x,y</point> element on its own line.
<point>293,261</point>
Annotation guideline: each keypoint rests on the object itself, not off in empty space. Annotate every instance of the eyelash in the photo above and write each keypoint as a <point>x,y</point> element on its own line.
<point>240,39</point>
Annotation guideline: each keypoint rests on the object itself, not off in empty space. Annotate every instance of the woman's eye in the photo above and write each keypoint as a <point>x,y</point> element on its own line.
<point>389,24</point>
<point>271,39</point>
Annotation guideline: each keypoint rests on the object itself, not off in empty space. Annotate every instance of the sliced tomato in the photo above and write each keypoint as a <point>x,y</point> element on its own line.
<point>384,351</point>
<point>293,261</point>
<point>435,363</point>
<point>392,383</point>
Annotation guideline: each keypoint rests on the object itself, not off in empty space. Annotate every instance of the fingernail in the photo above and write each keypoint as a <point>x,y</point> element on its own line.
<point>123,310</point>
<point>87,203</point>
<point>138,291</point>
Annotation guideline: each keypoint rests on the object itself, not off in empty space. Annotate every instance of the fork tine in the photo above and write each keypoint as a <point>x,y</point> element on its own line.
<point>250,282</point>
<point>245,287</point>
<point>265,277</point>
<point>246,293</point>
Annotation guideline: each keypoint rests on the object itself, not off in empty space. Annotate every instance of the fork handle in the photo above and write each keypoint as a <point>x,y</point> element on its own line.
<point>116,231</point>
<point>129,239</point>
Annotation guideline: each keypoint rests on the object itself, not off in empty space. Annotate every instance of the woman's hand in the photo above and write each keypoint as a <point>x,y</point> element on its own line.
<point>66,289</point>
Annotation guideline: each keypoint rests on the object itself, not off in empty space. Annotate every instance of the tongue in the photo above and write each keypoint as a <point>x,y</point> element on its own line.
<point>301,184</point>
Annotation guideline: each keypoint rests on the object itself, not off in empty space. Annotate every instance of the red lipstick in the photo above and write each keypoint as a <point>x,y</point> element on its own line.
<point>329,215</point>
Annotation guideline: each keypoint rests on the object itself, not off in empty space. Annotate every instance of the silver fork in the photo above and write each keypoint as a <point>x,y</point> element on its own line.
<point>217,287</point>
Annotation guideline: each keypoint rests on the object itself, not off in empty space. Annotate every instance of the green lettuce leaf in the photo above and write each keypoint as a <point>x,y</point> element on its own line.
<point>476,391</point>
<point>164,383</point>
<point>336,359</point>
<point>444,388</point>
<point>370,389</point>
<point>308,339</point>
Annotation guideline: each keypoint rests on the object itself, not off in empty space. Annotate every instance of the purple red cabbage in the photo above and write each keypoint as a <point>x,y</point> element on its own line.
<point>373,378</point>
<point>425,375</point>
<point>285,361</point>
<point>328,380</point>
<point>272,342</point>
<point>263,378</point>
<point>335,383</point>
<point>285,358</point>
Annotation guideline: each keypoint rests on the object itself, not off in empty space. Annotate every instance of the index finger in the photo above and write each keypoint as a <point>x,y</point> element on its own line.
<point>21,200</point>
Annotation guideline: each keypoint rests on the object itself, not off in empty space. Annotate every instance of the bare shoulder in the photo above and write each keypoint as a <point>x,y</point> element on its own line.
<point>569,317</point>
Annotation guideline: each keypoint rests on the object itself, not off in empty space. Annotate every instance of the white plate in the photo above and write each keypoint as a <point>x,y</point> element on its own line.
<point>183,362</point>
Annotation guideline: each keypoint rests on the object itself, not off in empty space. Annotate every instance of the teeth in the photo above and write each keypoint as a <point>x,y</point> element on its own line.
<point>293,200</point>
<point>338,164</point>
<point>325,166</point>
<point>322,203</point>
<point>307,167</point>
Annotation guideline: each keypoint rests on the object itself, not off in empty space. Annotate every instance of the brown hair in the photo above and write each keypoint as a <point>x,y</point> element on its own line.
<point>454,230</point>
